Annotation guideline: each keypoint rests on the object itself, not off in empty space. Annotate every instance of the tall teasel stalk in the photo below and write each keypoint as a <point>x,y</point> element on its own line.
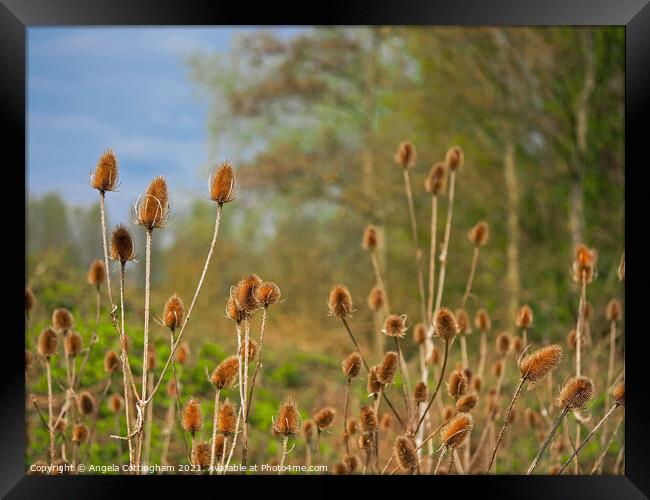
<point>370,242</point>
<point>395,327</point>
<point>323,419</point>
<point>192,420</point>
<point>47,343</point>
<point>351,367</point>
<point>478,236</point>
<point>288,424</point>
<point>523,321</point>
<point>455,435</point>
<point>532,369</point>
<point>613,313</point>
<point>483,324</point>
<point>223,377</point>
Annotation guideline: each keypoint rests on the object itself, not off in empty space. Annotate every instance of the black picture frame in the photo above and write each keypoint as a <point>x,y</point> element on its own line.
<point>17,15</point>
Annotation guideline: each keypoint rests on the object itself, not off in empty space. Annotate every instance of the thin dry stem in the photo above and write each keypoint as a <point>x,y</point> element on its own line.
<point>547,441</point>
<point>435,393</point>
<point>505,422</point>
<point>213,452</point>
<point>445,241</point>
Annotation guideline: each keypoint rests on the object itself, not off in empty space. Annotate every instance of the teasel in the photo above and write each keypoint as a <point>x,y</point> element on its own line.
<point>351,367</point>
<point>223,377</point>
<point>308,433</point>
<point>524,320</point>
<point>288,424</point>
<point>575,395</point>
<point>613,313</point>
<point>79,436</point>
<point>47,342</point>
<point>455,434</point>
<point>457,384</point>
<point>464,328</point>
<point>533,369</point>
<point>370,243</point>
<point>323,418</point>
<point>435,185</point>
<point>483,324</point>
<point>395,326</point>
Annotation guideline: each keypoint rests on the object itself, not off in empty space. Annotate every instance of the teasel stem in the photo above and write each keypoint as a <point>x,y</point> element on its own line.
<point>118,442</point>
<point>620,461</point>
<point>345,415</point>
<point>580,325</point>
<point>379,279</point>
<point>435,393</point>
<point>40,413</point>
<point>505,422</point>
<point>405,390</point>
<point>445,242</point>
<point>419,447</point>
<point>463,350</point>
<point>483,355</point>
<point>598,463</point>
<point>442,455</point>
<point>557,423</point>
<point>610,370</point>
<point>593,431</point>
<point>258,365</point>
<point>470,278</point>
<point>245,402</point>
<point>102,213</point>
<point>48,369</point>
<point>432,256</point>
<point>177,395</point>
<point>93,426</point>
<point>213,453</point>
<point>125,365</point>
<point>149,424</point>
<point>284,453</point>
<point>170,417</point>
<point>223,454</point>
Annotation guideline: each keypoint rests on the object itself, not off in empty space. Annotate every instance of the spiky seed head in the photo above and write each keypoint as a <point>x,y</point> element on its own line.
<point>621,268</point>
<point>464,324</point>
<point>466,403</point>
<point>477,383</point>
<point>233,311</point>
<point>584,265</point>
<point>456,432</point>
<point>524,317</point>
<point>288,421</point>
<point>436,181</point>
<point>576,393</point>
<point>457,384</point>
<point>503,343</point>
<point>308,429</point>
<point>368,419</point>
<point>497,367</point>
<point>482,320</point>
<point>324,417</point>
<point>252,351</point>
<point>479,234</point>
<point>201,455</point>
<point>192,418</point>
<point>421,392</point>
<point>122,247</point>
<point>61,320</point>
<point>388,368</point>
<point>106,176</point>
<point>47,342</point>
<point>72,344</point>
<point>619,394</point>
<point>386,421</point>
<point>222,183</point>
<point>339,469</point>
<point>61,426</point>
<point>374,384</point>
<point>434,357</point>
<point>395,325</point>
<point>227,418</point>
<point>153,205</point>
<point>454,158</point>
<point>268,293</point>
<point>79,434</point>
<point>115,403</point>
<point>376,299</point>
<point>445,323</point>
<point>86,403</point>
<point>352,427</point>
<point>173,312</point>
<point>96,273</point>
<point>340,301</point>
<point>614,310</point>
<point>245,294</point>
<point>351,462</point>
<point>536,366</point>
<point>365,442</point>
<point>405,155</point>
<point>370,238</point>
<point>420,333</point>
<point>405,453</point>
<point>30,300</point>
<point>225,374</point>
<point>219,446</point>
<point>351,365</point>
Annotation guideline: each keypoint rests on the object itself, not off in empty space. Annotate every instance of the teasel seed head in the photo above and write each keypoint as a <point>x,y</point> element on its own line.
<point>456,432</point>
<point>618,393</point>
<point>61,320</point>
<point>288,422</point>
<point>233,312</point>
<point>352,427</point>
<point>614,310</point>
<point>171,388</point>
<point>503,343</point>
<point>466,403</point>
<point>479,234</point>
<point>517,343</point>
<point>368,419</point>
<point>497,367</point>
<point>339,469</point>
<point>420,333</point>
<point>395,325</point>
<point>225,374</point>
<point>96,273</point>
<point>115,403</point>
<point>572,339</point>
<point>219,446</point>
<point>374,384</point>
<point>340,302</point>
<point>72,344</point>
<point>464,324</point>
<point>436,181</point>
<point>47,342</point>
<point>365,442</point>
<point>445,323</point>
<point>524,317</point>
<point>477,383</point>
<point>61,426</point>
<point>351,365</point>
<point>405,453</point>
<point>406,155</point>
<point>245,293</point>
<point>370,238</point>
<point>192,418</point>
<point>376,299</point>
<point>576,393</point>
<point>584,265</point>
<point>324,417</point>
<point>222,183</point>
<point>268,293</point>
<point>386,421</point>
<point>421,392</point>
<point>308,429</point>
<point>482,320</point>
<point>252,351</point>
<point>536,366</point>
<point>351,462</point>
<point>434,357</point>
<point>454,158</point>
<point>457,384</point>
<point>388,368</point>
<point>201,455</point>
<point>86,403</point>
<point>30,300</point>
<point>79,434</point>
<point>153,205</point>
<point>106,176</point>
<point>122,246</point>
<point>173,312</point>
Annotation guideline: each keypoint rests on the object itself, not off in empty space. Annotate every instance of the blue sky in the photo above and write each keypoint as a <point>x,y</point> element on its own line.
<point>125,88</point>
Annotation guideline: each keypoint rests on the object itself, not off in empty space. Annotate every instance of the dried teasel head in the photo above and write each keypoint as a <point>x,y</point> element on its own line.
<point>252,351</point>
<point>191,418</point>
<point>457,384</point>
<point>466,403</point>
<point>405,452</point>
<point>201,455</point>
<point>225,374</point>
<point>351,365</point>
<point>434,356</point>
<point>115,403</point>
<point>245,293</point>
<point>368,419</point>
<point>308,429</point>
<point>72,344</point>
<point>106,176</point>
<point>376,299</point>
<point>482,320</point>
<point>79,434</point>
<point>436,181</point>
<point>386,421</point>
<point>477,383</point>
<point>47,342</point>
<point>420,333</point>
<point>572,339</point>
<point>454,158</point>
<point>445,324</point>
<point>233,312</point>
<point>351,462</point>
<point>524,317</point>
<point>421,392</point>
<point>395,325</point>
<point>517,343</point>
<point>584,265</point>
<point>96,273</point>
<point>576,393</point>
<point>405,155</point>
<point>503,343</point>
<point>288,421</point>
<point>324,417</point>
<point>340,302</point>
<point>365,442</point>
<point>536,366</point>
<point>86,403</point>
<point>153,205</point>
<point>374,384</point>
<point>352,427</point>
<point>614,310</point>
<point>122,247</point>
<point>171,388</point>
<point>467,371</point>
<point>219,442</point>
<point>388,368</point>
<point>370,238</point>
<point>479,234</point>
<point>456,432</point>
<point>464,324</point>
<point>268,293</point>
<point>182,353</point>
<point>30,300</point>
<point>497,367</point>
<point>618,394</point>
<point>222,183</point>
<point>173,312</point>
<point>61,320</point>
